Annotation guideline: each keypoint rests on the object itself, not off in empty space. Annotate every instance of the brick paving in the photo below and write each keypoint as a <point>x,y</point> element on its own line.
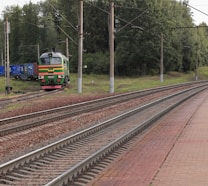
<point>173,153</point>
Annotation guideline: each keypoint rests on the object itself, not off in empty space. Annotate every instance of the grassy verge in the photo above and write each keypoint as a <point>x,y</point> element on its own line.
<point>99,84</point>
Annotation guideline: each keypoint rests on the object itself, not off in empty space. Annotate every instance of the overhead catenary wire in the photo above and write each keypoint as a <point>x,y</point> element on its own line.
<point>64,18</point>
<point>67,35</point>
<point>121,19</point>
<point>195,8</point>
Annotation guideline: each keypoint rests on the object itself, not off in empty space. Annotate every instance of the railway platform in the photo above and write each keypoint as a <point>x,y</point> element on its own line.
<point>174,152</point>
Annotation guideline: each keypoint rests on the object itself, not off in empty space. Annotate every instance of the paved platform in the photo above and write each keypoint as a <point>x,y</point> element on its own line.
<point>173,153</point>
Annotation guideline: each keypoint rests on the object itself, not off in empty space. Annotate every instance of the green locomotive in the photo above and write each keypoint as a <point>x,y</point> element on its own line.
<point>53,70</point>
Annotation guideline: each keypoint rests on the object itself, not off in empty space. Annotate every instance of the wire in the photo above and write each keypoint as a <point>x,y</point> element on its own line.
<point>97,7</point>
<point>64,17</point>
<point>125,21</point>
<point>130,22</point>
<point>67,35</point>
<point>195,9</point>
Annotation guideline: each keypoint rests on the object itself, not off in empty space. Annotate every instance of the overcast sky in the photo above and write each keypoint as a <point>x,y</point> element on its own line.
<point>201,5</point>
<point>5,3</point>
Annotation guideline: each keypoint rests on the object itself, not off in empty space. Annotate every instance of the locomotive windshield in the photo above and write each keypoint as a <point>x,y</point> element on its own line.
<point>50,61</point>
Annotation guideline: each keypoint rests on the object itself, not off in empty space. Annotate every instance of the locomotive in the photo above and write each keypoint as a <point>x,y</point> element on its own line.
<point>53,70</point>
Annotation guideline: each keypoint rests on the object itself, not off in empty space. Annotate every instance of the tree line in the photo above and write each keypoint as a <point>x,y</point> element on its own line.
<point>139,25</point>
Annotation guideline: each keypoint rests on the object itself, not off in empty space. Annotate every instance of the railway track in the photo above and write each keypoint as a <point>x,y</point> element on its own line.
<point>27,121</point>
<point>77,158</point>
<point>25,97</point>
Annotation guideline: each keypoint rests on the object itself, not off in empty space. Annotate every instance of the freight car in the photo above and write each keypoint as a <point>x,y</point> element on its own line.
<point>2,71</point>
<point>53,70</point>
<point>26,71</point>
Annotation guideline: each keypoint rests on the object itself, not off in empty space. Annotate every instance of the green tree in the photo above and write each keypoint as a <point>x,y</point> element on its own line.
<point>144,46</point>
<point>14,16</point>
<point>138,28</point>
<point>96,31</point>
<point>30,32</point>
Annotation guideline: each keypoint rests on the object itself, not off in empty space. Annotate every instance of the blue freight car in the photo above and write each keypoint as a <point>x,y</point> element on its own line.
<point>2,70</point>
<point>27,71</point>
<point>30,71</point>
<point>16,71</point>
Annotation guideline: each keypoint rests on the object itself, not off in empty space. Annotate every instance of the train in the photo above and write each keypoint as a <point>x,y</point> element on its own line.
<point>52,71</point>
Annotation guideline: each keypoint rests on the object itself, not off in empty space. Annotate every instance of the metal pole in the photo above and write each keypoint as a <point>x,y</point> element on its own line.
<point>7,57</point>
<point>197,66</point>
<point>2,58</point>
<point>111,43</point>
<point>67,48</point>
<point>161,59</point>
<point>197,55</point>
<point>38,51</point>
<point>80,48</point>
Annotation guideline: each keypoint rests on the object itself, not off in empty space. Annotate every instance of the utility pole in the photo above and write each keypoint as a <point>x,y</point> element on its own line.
<point>161,59</point>
<point>197,64</point>
<point>111,43</point>
<point>2,58</point>
<point>67,48</point>
<point>80,48</point>
<point>197,56</point>
<point>38,51</point>
<point>7,63</point>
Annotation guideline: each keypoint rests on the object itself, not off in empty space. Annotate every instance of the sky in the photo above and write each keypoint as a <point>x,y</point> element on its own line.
<point>198,17</point>
<point>201,5</point>
<point>5,3</point>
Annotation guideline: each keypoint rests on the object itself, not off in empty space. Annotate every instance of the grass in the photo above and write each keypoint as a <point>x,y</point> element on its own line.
<point>99,84</point>
<point>18,86</point>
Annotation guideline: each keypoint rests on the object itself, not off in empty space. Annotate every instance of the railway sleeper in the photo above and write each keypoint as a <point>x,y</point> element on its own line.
<point>6,182</point>
<point>16,174</point>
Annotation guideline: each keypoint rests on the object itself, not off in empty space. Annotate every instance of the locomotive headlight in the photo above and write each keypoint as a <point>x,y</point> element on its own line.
<point>60,76</point>
<point>40,77</point>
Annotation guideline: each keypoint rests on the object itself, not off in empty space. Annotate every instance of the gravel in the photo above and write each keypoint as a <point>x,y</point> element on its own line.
<point>23,142</point>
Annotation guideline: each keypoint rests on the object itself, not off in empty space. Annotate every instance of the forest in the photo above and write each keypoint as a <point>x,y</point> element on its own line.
<point>139,27</point>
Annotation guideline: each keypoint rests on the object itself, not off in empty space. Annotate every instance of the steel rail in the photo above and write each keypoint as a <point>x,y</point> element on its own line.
<point>50,148</point>
<point>131,95</point>
<point>6,101</point>
<point>71,175</point>
<point>72,110</point>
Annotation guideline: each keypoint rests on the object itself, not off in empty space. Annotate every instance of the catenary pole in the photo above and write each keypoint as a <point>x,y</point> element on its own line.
<point>80,48</point>
<point>38,51</point>
<point>67,48</point>
<point>161,59</point>
<point>197,56</point>
<point>7,62</point>
<point>2,58</point>
<point>111,43</point>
